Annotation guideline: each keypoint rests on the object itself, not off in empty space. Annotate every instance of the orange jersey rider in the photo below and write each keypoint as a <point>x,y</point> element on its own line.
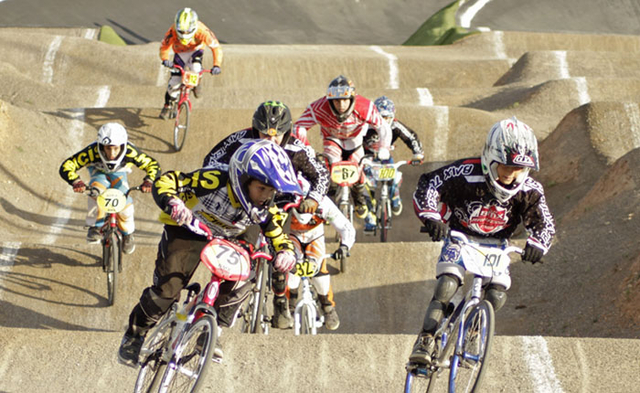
<point>187,38</point>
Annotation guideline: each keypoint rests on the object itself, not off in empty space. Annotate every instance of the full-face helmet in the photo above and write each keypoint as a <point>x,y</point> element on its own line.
<point>513,143</point>
<point>386,108</point>
<point>112,134</point>
<point>186,25</point>
<point>267,162</point>
<point>273,118</point>
<point>342,88</point>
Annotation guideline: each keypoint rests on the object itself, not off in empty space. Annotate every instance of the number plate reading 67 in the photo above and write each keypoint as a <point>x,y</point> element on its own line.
<point>347,173</point>
<point>112,200</point>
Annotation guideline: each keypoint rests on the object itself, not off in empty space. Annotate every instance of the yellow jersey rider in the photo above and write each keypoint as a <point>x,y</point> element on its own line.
<point>108,161</point>
<point>187,38</point>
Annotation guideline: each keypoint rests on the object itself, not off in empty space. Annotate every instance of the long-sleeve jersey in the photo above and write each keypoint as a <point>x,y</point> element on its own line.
<point>458,194</point>
<point>328,212</point>
<point>302,158</point>
<point>89,156</point>
<point>207,192</point>
<point>398,130</point>
<point>349,133</point>
<point>203,37</point>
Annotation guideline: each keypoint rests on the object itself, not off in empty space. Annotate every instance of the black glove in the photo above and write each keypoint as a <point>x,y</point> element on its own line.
<point>532,254</point>
<point>216,70</point>
<point>341,252</point>
<point>437,229</point>
<point>167,63</point>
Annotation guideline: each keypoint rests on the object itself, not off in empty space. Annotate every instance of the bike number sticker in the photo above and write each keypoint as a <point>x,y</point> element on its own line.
<point>306,269</point>
<point>112,200</point>
<point>344,174</point>
<point>190,79</point>
<point>225,261</point>
<point>386,173</point>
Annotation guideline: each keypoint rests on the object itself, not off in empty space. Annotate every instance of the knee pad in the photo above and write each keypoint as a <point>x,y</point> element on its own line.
<point>279,282</point>
<point>446,288</point>
<point>497,296</point>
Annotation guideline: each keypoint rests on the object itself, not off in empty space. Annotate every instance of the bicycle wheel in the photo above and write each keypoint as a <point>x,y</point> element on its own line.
<point>110,260</point>
<point>258,317</point>
<point>192,357</point>
<point>152,367</point>
<point>181,126</point>
<point>307,320</point>
<point>467,368</point>
<point>384,221</point>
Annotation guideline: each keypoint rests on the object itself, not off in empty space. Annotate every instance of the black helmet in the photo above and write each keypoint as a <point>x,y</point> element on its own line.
<point>273,118</point>
<point>342,88</point>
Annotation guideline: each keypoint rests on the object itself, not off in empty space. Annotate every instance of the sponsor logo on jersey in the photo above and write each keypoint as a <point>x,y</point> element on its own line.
<point>487,219</point>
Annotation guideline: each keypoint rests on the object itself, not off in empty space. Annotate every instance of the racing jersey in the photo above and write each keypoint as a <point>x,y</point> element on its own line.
<point>203,37</point>
<point>348,134</point>
<point>327,212</point>
<point>207,192</point>
<point>302,157</point>
<point>89,156</point>
<point>458,194</point>
<point>398,130</point>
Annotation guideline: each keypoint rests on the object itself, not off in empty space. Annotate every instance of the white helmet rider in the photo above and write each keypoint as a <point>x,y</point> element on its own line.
<point>112,134</point>
<point>186,25</point>
<point>513,143</point>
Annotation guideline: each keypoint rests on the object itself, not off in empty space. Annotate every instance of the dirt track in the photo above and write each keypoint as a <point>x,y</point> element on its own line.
<point>578,92</point>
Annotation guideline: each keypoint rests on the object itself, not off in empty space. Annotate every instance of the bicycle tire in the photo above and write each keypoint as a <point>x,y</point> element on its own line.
<point>181,127</point>
<point>347,211</point>
<point>258,322</point>
<point>306,326</point>
<point>191,350</point>
<point>414,383</point>
<point>384,221</point>
<point>152,367</point>
<point>468,368</point>
<point>110,251</point>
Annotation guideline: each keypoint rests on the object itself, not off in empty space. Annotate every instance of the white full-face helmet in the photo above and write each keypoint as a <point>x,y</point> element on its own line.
<point>513,143</point>
<point>186,25</point>
<point>112,134</point>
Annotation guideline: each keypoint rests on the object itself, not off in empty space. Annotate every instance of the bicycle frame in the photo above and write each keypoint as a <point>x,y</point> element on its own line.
<point>384,175</point>
<point>306,310</point>
<point>455,322</point>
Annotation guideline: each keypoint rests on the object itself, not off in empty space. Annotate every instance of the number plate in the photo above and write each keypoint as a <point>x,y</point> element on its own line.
<point>226,260</point>
<point>345,173</point>
<point>384,173</point>
<point>190,79</point>
<point>307,268</point>
<point>112,200</point>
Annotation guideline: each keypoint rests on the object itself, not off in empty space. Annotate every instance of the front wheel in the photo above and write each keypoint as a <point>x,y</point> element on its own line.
<point>419,380</point>
<point>307,320</point>
<point>192,357</point>
<point>111,259</point>
<point>384,221</point>
<point>468,366</point>
<point>181,126</point>
<point>259,323</point>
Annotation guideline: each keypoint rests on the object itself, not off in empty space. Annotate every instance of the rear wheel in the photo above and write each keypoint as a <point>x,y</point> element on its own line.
<point>181,126</point>
<point>468,367</point>
<point>192,357</point>
<point>152,367</point>
<point>111,255</point>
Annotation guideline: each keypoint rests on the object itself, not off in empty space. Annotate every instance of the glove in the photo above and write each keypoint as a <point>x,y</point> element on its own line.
<point>308,206</point>
<point>79,186</point>
<point>179,212</point>
<point>167,63</point>
<point>532,254</point>
<point>285,260</point>
<point>417,159</point>
<point>437,229</point>
<point>216,70</point>
<point>146,186</point>
<point>341,252</point>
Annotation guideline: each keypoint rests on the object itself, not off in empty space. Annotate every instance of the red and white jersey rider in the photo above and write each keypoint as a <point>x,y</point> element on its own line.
<point>344,118</point>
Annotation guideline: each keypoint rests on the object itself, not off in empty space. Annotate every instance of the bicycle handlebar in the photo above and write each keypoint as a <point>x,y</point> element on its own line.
<point>94,192</point>
<point>462,238</point>
<point>182,71</point>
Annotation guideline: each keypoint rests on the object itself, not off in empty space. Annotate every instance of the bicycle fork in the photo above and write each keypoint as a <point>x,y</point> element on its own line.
<point>306,300</point>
